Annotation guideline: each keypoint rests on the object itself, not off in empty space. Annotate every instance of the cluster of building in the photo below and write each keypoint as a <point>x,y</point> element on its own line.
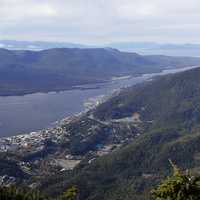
<point>34,141</point>
<point>31,141</point>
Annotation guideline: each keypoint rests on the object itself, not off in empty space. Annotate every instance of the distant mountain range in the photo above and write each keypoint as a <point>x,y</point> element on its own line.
<point>57,69</point>
<point>150,48</point>
<point>144,48</point>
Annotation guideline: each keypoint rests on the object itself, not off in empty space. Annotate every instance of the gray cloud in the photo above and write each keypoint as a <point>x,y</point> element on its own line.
<point>100,21</point>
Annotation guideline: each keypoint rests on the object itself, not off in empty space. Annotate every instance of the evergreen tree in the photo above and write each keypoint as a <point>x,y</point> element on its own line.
<point>13,193</point>
<point>180,186</point>
<point>70,194</point>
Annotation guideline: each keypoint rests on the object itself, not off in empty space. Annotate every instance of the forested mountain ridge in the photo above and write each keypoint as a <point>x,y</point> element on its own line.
<point>24,72</point>
<point>150,122</point>
<point>133,171</point>
<point>173,133</point>
<point>171,98</point>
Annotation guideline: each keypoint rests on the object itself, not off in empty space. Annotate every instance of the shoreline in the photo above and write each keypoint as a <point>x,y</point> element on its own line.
<point>84,86</point>
<point>92,102</point>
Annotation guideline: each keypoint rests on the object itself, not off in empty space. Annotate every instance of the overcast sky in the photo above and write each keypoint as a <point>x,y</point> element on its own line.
<point>101,21</point>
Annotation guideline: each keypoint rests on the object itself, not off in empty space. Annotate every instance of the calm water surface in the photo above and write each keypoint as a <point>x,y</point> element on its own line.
<point>23,114</point>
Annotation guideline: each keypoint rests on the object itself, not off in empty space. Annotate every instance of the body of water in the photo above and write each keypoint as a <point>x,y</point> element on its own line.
<point>23,114</point>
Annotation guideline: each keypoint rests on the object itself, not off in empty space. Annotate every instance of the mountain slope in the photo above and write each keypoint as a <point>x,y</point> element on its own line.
<point>131,172</point>
<point>168,99</point>
<point>24,72</point>
<point>165,113</point>
<point>172,104</point>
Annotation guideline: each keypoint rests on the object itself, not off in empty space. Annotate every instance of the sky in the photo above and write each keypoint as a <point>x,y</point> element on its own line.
<point>101,21</point>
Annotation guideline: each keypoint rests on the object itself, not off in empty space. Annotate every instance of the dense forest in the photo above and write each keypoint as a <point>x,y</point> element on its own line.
<point>16,193</point>
<point>181,185</point>
<point>170,104</point>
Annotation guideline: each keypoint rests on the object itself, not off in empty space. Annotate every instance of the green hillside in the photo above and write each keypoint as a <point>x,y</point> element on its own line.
<point>151,122</point>
<point>171,104</point>
<point>133,171</point>
<point>171,99</point>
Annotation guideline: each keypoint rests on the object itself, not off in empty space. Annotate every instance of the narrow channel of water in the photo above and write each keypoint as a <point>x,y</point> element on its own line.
<point>23,114</point>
